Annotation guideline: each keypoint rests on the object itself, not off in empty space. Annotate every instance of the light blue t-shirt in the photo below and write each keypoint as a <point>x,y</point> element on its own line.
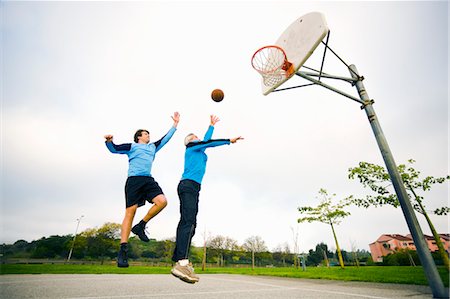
<point>195,157</point>
<point>140,155</point>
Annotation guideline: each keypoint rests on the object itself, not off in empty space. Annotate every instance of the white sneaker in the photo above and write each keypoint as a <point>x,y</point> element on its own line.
<point>185,273</point>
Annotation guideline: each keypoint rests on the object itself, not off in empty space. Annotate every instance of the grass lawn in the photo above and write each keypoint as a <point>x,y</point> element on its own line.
<point>387,274</point>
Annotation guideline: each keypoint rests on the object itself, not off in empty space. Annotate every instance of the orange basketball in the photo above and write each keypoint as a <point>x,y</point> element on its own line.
<point>217,95</point>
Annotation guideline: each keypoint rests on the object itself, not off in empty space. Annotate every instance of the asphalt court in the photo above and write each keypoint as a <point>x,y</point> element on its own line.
<point>216,286</point>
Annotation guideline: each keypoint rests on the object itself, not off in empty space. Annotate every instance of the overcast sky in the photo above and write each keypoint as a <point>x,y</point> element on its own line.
<point>75,71</point>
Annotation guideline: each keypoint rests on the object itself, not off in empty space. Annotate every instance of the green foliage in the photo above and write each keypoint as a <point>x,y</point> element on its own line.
<point>101,243</point>
<point>402,257</point>
<point>325,212</point>
<point>441,211</point>
<point>196,255</point>
<point>51,247</point>
<point>316,257</point>
<point>377,179</point>
<point>20,249</point>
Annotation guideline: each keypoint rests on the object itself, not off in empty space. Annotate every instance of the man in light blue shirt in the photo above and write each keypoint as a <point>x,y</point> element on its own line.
<point>140,186</point>
<point>195,160</point>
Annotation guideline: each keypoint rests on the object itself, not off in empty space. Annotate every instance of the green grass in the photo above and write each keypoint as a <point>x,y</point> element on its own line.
<point>79,269</point>
<point>392,274</point>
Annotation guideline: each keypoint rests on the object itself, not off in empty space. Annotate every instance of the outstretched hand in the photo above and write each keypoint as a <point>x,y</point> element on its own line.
<point>233,140</point>
<point>109,138</point>
<point>176,118</point>
<point>214,119</point>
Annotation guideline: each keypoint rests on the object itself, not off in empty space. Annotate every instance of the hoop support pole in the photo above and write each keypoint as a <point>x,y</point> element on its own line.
<point>323,75</point>
<point>292,87</point>
<point>429,267</point>
<point>305,76</point>
<point>324,53</point>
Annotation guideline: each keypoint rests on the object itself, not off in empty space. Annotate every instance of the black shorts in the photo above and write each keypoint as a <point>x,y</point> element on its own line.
<point>138,189</point>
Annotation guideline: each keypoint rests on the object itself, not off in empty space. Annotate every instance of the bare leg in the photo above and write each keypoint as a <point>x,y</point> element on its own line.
<point>127,222</point>
<point>159,203</point>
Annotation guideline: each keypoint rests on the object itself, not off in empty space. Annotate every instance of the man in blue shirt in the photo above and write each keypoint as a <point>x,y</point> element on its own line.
<point>140,185</point>
<point>188,191</point>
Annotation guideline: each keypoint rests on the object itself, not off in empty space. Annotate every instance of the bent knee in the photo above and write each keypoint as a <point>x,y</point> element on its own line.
<point>160,201</point>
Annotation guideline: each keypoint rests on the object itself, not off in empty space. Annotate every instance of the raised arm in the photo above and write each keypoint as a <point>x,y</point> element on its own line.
<point>176,119</point>
<point>213,120</point>
<point>160,143</point>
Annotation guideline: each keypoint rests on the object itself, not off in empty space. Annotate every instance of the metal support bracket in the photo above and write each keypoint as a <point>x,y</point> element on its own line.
<point>367,103</point>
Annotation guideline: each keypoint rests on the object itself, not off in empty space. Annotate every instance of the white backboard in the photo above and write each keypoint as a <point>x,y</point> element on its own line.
<point>299,41</point>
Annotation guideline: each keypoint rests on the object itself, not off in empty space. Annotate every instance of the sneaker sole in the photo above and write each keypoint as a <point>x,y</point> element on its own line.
<point>143,240</point>
<point>123,266</point>
<point>183,277</point>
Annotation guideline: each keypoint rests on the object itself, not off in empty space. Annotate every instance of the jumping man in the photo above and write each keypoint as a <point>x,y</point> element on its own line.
<point>188,191</point>
<point>140,185</point>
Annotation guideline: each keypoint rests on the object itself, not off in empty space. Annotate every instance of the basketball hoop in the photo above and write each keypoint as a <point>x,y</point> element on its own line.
<point>271,62</point>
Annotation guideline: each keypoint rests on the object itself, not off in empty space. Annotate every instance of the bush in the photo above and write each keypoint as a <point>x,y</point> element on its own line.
<point>402,257</point>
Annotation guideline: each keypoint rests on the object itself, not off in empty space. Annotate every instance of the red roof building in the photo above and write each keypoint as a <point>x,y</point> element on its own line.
<point>387,244</point>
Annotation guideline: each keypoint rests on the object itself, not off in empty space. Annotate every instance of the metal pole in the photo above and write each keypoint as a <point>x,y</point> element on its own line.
<point>74,237</point>
<point>434,280</point>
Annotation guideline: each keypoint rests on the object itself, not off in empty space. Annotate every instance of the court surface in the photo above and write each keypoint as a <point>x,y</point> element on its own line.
<point>84,286</point>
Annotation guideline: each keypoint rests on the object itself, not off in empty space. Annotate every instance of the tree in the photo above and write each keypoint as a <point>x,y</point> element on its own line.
<point>295,239</point>
<point>101,242</point>
<point>377,179</point>
<point>355,254</point>
<point>402,257</point>
<point>282,253</point>
<point>218,244</point>
<point>254,244</point>
<point>205,241</point>
<point>51,247</point>
<point>321,254</point>
<point>326,213</point>
<point>167,247</point>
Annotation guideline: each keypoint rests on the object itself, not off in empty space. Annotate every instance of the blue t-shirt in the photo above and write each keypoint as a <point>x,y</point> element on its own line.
<point>195,158</point>
<point>140,155</point>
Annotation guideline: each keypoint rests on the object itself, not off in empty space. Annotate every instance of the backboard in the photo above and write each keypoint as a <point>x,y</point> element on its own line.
<point>299,41</point>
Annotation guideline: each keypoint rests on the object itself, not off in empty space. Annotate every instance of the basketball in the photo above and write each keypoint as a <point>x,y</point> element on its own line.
<point>217,95</point>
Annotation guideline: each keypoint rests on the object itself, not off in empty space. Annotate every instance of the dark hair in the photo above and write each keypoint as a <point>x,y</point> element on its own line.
<point>139,134</point>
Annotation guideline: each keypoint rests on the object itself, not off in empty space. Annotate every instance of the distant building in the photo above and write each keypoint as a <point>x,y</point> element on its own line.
<point>387,244</point>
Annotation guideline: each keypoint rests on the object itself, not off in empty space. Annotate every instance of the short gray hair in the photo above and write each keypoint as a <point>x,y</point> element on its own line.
<point>188,138</point>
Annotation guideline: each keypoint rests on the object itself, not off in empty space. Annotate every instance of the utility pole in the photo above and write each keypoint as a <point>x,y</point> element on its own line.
<point>74,238</point>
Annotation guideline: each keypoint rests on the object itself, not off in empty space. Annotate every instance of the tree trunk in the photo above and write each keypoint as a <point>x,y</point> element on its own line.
<point>204,257</point>
<point>341,261</point>
<point>355,256</point>
<point>253,260</point>
<point>327,262</point>
<point>295,262</point>
<point>411,260</point>
<point>436,236</point>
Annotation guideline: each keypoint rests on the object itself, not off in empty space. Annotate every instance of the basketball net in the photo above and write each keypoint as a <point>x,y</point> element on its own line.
<point>271,62</point>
